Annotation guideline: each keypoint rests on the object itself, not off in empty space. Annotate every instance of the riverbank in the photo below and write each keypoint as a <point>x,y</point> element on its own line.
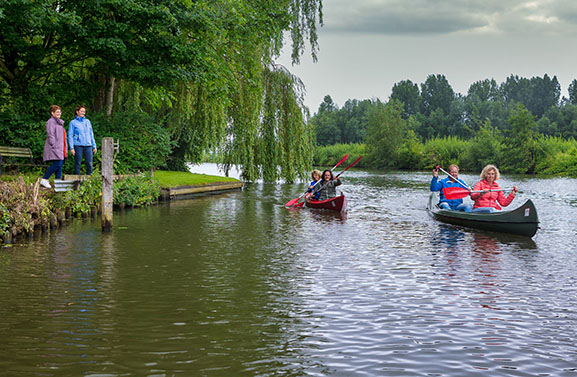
<point>27,209</point>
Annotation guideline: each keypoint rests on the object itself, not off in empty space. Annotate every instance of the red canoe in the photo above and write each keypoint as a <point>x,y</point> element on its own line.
<point>338,203</point>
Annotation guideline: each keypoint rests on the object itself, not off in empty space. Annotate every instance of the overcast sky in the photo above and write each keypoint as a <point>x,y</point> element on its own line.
<point>366,46</point>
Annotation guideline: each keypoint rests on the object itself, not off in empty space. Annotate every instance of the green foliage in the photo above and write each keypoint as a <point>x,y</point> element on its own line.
<point>436,93</point>
<point>269,135</point>
<point>485,148</point>
<point>561,157</point>
<point>136,191</point>
<point>485,103</point>
<point>143,143</point>
<point>386,129</point>
<point>443,113</point>
<point>87,196</point>
<point>556,156</point>
<point>23,131</point>
<point>560,164</point>
<point>536,94</point>
<point>412,153</point>
<point>573,92</point>
<point>5,221</point>
<point>329,155</point>
<point>341,126</point>
<point>204,70</point>
<point>22,207</point>
<point>522,143</point>
<point>408,93</point>
<point>445,151</point>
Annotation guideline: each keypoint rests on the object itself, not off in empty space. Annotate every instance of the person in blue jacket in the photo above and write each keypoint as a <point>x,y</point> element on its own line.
<point>450,181</point>
<point>316,176</point>
<point>81,140</point>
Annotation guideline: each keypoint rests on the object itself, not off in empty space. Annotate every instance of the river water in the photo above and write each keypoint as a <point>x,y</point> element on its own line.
<point>237,285</point>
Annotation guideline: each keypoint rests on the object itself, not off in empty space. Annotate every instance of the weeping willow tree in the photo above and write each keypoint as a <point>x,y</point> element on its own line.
<point>204,69</point>
<point>250,110</point>
<point>267,131</point>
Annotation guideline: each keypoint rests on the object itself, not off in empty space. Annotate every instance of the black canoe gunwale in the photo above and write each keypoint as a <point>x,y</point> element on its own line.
<point>523,220</point>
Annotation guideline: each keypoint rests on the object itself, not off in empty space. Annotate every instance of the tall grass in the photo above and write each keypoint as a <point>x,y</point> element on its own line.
<point>331,154</point>
<point>559,158</point>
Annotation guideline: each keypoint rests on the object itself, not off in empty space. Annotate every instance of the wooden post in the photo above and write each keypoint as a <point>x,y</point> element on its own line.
<point>107,183</point>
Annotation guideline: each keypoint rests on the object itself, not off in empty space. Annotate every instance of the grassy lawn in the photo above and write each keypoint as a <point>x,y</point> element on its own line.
<point>163,177</point>
<point>181,178</point>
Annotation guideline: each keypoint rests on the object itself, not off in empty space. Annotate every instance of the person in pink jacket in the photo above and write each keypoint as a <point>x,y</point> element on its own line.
<point>489,200</point>
<point>55,146</point>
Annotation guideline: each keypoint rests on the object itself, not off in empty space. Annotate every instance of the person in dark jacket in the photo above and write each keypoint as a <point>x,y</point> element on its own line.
<point>55,146</point>
<point>81,140</point>
<point>327,187</point>
<point>451,181</point>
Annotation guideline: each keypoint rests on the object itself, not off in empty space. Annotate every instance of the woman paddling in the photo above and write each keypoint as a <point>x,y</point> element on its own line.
<point>326,189</point>
<point>489,199</point>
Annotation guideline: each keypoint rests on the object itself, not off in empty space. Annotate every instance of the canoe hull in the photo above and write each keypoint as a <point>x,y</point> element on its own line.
<point>338,203</point>
<point>522,221</point>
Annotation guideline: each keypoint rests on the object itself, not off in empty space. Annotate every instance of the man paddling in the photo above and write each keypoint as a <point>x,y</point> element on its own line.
<point>451,181</point>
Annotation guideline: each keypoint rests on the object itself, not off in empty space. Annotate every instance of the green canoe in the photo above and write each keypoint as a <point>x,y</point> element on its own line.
<point>522,220</point>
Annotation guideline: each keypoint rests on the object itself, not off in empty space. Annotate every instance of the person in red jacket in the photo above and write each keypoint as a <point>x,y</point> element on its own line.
<point>488,200</point>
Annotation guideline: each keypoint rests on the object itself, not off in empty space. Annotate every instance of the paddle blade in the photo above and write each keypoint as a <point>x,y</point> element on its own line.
<point>455,193</point>
<point>350,166</point>
<point>291,203</point>
<point>300,205</point>
<point>341,161</point>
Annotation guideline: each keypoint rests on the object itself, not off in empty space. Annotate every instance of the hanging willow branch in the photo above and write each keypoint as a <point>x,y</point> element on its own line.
<point>240,104</point>
<point>269,135</point>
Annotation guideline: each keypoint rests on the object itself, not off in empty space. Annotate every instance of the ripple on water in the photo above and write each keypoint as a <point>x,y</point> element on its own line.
<point>239,285</point>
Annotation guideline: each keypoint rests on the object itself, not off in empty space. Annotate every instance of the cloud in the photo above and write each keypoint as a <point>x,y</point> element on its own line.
<point>416,17</point>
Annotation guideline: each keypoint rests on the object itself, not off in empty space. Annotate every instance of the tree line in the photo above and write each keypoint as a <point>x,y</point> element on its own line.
<point>521,123</point>
<point>171,79</point>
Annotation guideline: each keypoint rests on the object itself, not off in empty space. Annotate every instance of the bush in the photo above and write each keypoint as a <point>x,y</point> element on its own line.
<point>485,148</point>
<point>444,151</point>
<point>143,143</point>
<point>331,154</point>
<point>87,196</point>
<point>22,207</point>
<point>411,153</point>
<point>136,191</point>
<point>23,131</point>
<point>561,157</point>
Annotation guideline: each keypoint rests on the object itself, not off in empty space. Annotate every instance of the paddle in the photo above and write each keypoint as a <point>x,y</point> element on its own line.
<point>348,167</point>
<point>456,179</point>
<point>294,202</point>
<point>459,193</point>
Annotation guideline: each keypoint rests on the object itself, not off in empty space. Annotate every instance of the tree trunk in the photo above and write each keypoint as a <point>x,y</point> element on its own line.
<point>110,95</point>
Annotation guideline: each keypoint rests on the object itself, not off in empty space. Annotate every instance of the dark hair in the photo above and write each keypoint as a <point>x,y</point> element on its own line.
<point>53,108</point>
<point>332,176</point>
<point>78,109</point>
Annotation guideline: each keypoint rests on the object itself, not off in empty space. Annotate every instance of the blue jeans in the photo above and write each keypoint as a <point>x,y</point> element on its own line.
<point>55,168</point>
<point>461,207</point>
<point>79,151</point>
<point>484,209</point>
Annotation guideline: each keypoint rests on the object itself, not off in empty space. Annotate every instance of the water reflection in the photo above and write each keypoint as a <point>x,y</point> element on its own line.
<point>236,284</point>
